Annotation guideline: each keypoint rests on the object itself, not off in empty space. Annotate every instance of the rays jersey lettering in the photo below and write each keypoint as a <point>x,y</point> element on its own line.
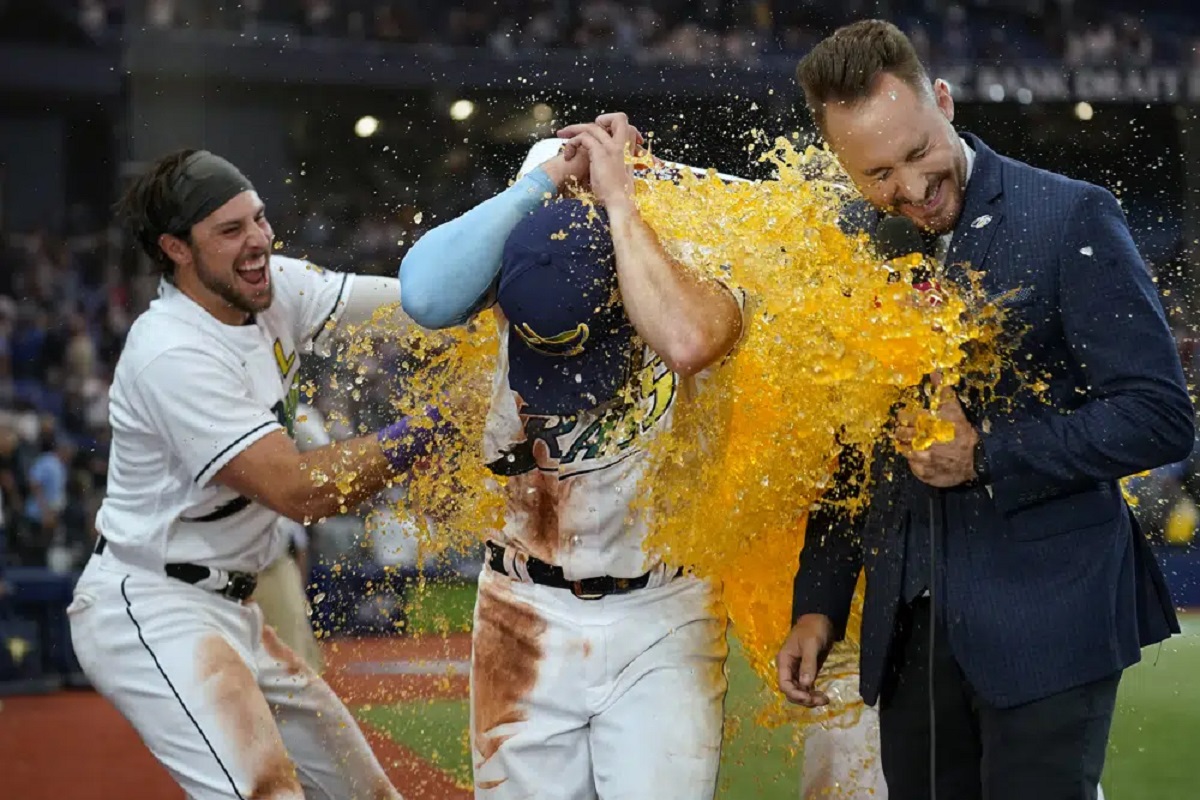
<point>569,481</point>
<point>587,442</point>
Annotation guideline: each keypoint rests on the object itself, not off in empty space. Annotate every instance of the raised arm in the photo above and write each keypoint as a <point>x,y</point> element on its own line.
<point>689,320</point>
<point>369,294</point>
<point>448,274</point>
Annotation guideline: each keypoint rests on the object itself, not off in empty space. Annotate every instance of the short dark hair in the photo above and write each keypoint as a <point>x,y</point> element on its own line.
<point>845,65</point>
<point>149,204</point>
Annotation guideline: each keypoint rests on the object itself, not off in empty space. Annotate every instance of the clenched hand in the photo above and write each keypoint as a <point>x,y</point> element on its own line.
<point>943,464</point>
<point>605,142</point>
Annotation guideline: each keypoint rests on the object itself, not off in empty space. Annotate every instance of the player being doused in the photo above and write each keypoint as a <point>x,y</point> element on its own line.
<point>596,667</point>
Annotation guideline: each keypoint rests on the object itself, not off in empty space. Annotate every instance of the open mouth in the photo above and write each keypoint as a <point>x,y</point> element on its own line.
<point>254,271</point>
<point>930,206</point>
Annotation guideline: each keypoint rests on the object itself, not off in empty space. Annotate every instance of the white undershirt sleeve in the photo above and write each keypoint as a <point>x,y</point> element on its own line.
<point>365,297</point>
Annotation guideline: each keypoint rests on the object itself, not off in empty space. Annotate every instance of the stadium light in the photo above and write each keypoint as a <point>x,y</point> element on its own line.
<point>461,109</point>
<point>366,126</point>
<point>1084,111</point>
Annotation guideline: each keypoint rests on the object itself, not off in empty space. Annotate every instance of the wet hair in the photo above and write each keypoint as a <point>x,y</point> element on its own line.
<point>150,205</point>
<point>844,66</point>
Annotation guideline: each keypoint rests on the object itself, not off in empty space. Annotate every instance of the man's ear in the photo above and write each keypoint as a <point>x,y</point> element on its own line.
<point>176,249</point>
<point>944,99</point>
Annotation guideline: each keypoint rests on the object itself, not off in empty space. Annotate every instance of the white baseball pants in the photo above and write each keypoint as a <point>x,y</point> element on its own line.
<point>620,698</point>
<point>842,762</point>
<point>217,698</point>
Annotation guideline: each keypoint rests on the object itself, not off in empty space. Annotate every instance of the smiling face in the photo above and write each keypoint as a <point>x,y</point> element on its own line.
<point>901,150</point>
<point>225,265</point>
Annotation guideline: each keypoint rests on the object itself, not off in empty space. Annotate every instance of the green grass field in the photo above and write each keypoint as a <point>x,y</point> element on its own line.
<point>1155,733</point>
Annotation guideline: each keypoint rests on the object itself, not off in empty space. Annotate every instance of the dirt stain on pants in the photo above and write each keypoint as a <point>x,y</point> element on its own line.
<point>505,659</point>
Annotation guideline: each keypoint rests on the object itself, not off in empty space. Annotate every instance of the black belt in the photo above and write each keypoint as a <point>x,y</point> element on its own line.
<point>549,575</point>
<point>240,585</point>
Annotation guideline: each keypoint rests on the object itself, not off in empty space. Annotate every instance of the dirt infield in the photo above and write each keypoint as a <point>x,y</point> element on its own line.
<point>416,778</point>
<point>73,745</point>
<point>363,671</point>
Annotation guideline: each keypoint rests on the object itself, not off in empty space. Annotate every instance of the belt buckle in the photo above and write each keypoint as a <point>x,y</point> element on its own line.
<point>241,585</point>
<point>577,590</point>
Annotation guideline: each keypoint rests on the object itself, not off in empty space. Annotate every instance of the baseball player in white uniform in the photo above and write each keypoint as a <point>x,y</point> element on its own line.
<point>597,669</point>
<point>203,468</point>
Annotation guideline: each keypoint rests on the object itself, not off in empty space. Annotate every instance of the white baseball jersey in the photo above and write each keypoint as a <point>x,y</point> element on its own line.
<point>189,394</point>
<point>570,506</point>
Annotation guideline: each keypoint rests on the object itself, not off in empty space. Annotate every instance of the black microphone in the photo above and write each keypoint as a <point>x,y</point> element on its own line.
<point>897,237</point>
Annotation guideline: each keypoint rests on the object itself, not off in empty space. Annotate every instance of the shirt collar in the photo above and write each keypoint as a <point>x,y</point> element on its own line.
<point>945,239</point>
<point>970,154</point>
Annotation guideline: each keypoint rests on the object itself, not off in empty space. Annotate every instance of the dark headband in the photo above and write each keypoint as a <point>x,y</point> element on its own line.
<point>203,184</point>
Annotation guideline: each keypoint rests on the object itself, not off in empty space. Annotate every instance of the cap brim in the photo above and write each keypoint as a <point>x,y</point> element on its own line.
<point>555,384</point>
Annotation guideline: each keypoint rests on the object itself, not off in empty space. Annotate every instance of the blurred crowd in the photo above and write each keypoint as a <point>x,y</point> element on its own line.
<point>689,31</point>
<point>64,311</point>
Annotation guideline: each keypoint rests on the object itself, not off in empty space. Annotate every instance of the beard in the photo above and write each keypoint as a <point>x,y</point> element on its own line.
<point>950,187</point>
<point>956,200</point>
<point>225,284</point>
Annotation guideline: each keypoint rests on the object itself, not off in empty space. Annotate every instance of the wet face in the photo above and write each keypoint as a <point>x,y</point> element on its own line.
<point>225,267</point>
<point>900,148</point>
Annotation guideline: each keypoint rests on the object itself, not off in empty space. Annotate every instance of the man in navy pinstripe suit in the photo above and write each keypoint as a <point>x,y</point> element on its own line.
<point>1008,585</point>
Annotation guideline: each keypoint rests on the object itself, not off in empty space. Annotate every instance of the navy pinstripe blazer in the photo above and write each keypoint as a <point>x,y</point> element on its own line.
<point>1046,583</point>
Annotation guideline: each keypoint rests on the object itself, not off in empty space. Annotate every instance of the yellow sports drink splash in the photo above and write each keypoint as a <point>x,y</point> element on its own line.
<point>834,342</point>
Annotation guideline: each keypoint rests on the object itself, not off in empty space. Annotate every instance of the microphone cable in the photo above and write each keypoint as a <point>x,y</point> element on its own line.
<point>896,237</point>
<point>932,639</point>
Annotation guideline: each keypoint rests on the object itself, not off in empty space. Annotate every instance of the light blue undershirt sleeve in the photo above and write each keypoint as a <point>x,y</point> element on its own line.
<point>448,274</point>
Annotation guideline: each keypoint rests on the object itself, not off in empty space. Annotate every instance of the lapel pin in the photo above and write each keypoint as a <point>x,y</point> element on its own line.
<point>981,221</point>
<point>1087,251</point>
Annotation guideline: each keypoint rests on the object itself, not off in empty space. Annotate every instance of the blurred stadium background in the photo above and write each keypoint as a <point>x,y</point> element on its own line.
<point>365,122</point>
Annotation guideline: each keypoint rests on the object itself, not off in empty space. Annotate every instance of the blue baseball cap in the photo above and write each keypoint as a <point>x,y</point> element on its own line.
<point>570,344</point>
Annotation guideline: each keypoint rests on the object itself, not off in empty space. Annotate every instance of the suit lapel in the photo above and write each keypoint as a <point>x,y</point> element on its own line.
<point>982,210</point>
